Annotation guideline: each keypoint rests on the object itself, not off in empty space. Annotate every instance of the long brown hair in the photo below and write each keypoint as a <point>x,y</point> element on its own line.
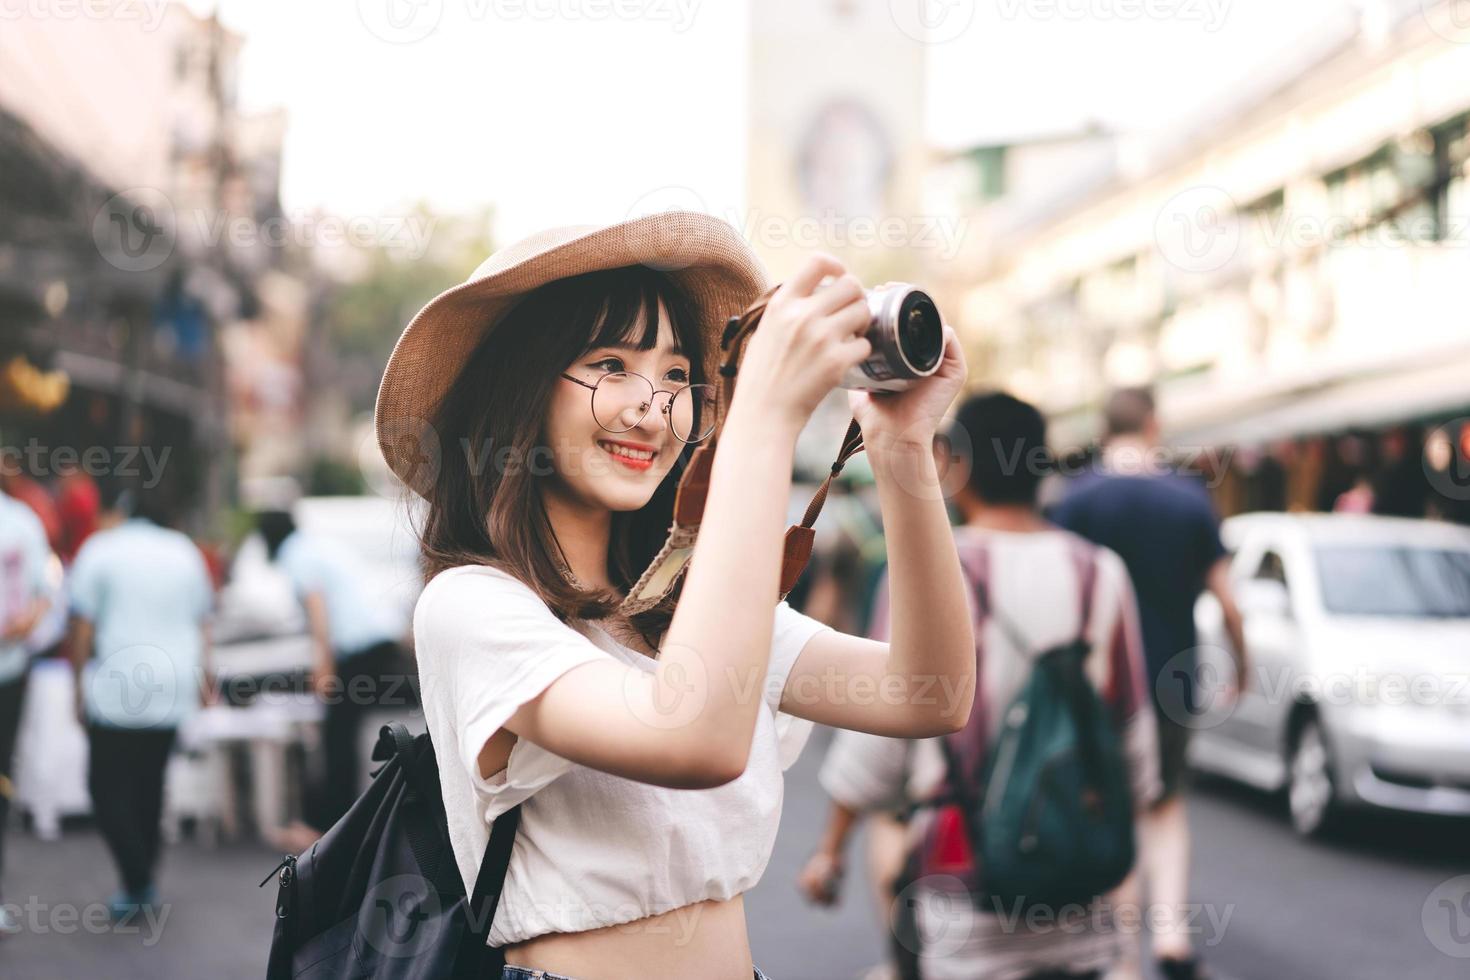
<point>482,511</point>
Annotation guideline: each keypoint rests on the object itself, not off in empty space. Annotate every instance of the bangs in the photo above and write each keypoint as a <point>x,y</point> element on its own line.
<point>627,313</point>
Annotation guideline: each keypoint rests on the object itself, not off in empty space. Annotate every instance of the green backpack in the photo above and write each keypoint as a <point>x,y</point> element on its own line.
<point>1052,822</point>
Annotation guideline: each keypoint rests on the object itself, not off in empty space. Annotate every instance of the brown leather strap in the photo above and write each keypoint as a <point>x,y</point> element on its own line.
<point>797,549</point>
<point>797,546</point>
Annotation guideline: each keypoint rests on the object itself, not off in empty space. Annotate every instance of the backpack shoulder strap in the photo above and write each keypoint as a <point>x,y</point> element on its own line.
<point>1087,581</point>
<point>985,611</point>
<point>491,879</point>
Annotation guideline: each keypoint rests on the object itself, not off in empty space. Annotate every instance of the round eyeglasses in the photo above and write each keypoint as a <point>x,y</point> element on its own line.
<point>621,400</point>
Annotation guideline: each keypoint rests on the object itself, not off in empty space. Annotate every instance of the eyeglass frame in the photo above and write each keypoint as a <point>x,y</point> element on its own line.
<point>665,411</point>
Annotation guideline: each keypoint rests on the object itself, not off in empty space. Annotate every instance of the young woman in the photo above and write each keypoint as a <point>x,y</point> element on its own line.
<point>541,409</point>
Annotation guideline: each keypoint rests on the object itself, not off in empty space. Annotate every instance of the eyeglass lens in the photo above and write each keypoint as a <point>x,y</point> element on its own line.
<point>622,399</point>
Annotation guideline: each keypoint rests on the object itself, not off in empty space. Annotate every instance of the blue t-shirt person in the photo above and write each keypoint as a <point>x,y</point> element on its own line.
<point>354,622</point>
<point>24,555</point>
<point>147,592</point>
<point>1164,528</point>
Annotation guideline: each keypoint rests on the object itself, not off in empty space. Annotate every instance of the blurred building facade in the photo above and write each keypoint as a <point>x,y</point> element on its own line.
<point>834,145</point>
<point>1288,276</point>
<point>835,159</point>
<point>131,259</point>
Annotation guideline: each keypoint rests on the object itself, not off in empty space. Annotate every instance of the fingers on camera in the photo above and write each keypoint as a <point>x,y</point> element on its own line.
<point>841,292</point>
<point>810,274</point>
<point>855,350</point>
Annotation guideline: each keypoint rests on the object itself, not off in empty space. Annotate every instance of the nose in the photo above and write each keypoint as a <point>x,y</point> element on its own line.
<point>655,421</point>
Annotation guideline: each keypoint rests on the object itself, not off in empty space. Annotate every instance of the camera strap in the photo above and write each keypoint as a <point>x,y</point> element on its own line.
<point>672,561</point>
<point>797,547</point>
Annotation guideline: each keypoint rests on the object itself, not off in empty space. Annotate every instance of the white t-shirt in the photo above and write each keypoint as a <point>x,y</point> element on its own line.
<point>593,849</point>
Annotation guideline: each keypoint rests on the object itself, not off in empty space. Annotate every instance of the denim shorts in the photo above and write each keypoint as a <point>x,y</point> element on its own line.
<point>521,973</point>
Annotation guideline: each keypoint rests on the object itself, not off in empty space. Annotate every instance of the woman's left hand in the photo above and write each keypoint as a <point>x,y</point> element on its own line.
<point>909,419</point>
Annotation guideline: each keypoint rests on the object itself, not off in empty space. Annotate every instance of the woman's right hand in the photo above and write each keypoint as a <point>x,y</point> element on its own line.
<point>810,335</point>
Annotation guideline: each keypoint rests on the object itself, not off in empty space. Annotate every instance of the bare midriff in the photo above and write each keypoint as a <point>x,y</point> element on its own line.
<point>705,939</point>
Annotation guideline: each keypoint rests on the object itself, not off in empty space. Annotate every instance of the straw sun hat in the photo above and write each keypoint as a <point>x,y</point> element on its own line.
<point>705,254</point>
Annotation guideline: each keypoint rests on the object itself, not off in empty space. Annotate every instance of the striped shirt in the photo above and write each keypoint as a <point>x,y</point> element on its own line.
<point>1035,580</point>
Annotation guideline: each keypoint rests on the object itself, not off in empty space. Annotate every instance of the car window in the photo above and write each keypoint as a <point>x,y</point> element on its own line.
<point>1271,569</point>
<point>1389,580</point>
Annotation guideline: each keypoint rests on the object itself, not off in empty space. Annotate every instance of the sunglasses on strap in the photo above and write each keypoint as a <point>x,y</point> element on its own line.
<point>672,560</point>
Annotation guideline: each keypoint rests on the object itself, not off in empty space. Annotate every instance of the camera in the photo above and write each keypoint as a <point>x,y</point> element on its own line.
<point>907,335</point>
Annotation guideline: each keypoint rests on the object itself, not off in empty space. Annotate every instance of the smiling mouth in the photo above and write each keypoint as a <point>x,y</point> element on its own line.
<point>640,459</point>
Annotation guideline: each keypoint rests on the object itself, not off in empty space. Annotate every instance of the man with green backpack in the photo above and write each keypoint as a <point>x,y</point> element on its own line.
<point>1021,824</point>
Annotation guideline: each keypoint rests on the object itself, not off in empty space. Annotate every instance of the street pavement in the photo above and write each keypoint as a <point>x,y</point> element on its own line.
<point>1381,902</point>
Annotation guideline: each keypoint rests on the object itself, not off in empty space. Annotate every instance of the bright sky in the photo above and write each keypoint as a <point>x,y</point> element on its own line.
<point>557,119</point>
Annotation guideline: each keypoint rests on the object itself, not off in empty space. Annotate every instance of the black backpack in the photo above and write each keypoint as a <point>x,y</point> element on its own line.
<point>379,895</point>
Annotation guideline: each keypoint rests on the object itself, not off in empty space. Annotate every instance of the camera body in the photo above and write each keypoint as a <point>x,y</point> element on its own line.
<point>907,335</point>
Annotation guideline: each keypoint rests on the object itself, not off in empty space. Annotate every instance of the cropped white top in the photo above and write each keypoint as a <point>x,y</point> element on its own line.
<point>592,849</point>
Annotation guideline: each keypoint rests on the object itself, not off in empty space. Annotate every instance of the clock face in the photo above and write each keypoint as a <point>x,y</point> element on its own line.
<point>845,161</point>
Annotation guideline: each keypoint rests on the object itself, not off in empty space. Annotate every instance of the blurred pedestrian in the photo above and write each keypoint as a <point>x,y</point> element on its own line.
<point>1164,527</point>
<point>78,502</point>
<point>1042,588</point>
<point>24,557</point>
<point>359,661</point>
<point>19,485</point>
<point>139,595</point>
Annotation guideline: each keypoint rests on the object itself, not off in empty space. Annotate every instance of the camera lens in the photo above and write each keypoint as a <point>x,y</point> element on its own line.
<point>920,332</point>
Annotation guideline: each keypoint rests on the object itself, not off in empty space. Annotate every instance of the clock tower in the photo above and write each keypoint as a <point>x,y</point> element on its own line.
<point>836,151</point>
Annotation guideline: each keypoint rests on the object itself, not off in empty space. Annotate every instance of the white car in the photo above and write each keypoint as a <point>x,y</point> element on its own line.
<point>1358,630</point>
